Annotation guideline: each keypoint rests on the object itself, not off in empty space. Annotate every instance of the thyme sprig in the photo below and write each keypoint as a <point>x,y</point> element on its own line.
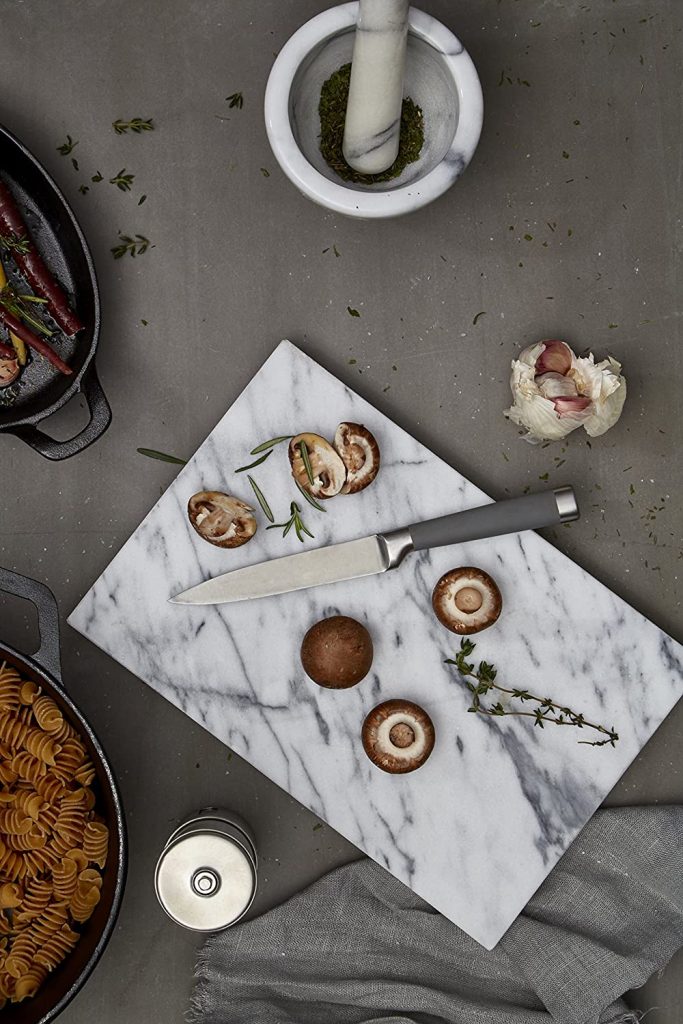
<point>122,180</point>
<point>295,521</point>
<point>547,711</point>
<point>136,125</point>
<point>18,305</point>
<point>15,244</point>
<point>134,246</point>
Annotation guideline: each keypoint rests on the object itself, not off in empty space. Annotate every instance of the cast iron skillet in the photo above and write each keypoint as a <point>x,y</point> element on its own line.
<point>64,249</point>
<point>62,984</point>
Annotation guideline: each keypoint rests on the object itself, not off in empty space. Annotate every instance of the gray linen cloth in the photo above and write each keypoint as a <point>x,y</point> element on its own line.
<point>357,946</point>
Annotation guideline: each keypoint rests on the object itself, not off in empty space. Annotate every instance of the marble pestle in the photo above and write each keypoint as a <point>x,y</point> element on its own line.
<point>373,113</point>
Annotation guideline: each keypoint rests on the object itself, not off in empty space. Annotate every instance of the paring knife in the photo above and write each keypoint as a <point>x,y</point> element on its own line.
<point>356,558</point>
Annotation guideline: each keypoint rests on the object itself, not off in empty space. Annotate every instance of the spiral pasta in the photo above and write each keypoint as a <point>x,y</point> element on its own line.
<point>53,845</point>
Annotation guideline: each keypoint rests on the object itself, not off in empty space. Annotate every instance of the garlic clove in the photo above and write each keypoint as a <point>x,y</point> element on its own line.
<point>555,357</point>
<point>554,385</point>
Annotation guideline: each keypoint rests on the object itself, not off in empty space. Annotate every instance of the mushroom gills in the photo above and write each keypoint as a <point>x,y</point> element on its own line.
<point>221,519</point>
<point>359,452</point>
<point>398,736</point>
<point>326,467</point>
<point>467,600</point>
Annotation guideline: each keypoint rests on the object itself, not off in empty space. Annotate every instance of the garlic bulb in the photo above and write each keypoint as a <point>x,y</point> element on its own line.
<point>554,392</point>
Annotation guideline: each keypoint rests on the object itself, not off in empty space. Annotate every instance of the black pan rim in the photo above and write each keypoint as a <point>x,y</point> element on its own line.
<point>75,385</point>
<point>34,669</point>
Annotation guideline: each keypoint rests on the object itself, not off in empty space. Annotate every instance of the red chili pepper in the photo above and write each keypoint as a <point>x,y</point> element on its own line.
<point>31,264</point>
<point>16,326</point>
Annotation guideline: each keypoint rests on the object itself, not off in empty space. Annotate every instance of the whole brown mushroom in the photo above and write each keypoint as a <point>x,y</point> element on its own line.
<point>337,652</point>
<point>222,520</point>
<point>398,736</point>
<point>467,600</point>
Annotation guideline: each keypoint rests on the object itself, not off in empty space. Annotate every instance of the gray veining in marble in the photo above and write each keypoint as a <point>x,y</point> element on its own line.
<point>478,828</point>
<point>373,114</point>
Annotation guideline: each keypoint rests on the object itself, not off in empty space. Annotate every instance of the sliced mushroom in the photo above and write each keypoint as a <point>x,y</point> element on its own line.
<point>224,521</point>
<point>9,371</point>
<point>326,468</point>
<point>360,454</point>
<point>337,652</point>
<point>467,600</point>
<point>398,736</point>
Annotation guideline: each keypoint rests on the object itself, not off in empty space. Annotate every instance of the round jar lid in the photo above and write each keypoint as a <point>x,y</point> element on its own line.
<point>205,881</point>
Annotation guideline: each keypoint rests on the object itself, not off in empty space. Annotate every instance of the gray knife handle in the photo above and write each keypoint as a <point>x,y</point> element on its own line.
<point>530,512</point>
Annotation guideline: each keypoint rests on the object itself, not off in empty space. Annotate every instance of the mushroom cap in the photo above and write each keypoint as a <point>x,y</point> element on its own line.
<point>222,520</point>
<point>337,652</point>
<point>329,472</point>
<point>359,451</point>
<point>467,600</point>
<point>9,371</point>
<point>398,736</point>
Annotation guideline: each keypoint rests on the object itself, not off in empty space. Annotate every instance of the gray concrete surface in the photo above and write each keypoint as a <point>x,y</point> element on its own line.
<point>580,151</point>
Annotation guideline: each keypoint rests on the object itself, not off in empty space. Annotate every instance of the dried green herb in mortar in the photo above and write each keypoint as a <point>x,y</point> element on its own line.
<point>332,110</point>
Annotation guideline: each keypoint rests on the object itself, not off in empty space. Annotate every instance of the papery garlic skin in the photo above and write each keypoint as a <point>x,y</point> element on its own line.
<point>554,392</point>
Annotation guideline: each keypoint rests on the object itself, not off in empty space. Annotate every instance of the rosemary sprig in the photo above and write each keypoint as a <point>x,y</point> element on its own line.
<point>68,146</point>
<point>134,246</point>
<point>235,100</point>
<point>18,305</point>
<point>151,453</point>
<point>14,244</point>
<point>548,710</point>
<point>303,448</point>
<point>270,444</point>
<point>260,497</point>
<point>122,180</point>
<point>136,125</point>
<point>295,521</point>
<point>310,499</point>
<point>256,462</point>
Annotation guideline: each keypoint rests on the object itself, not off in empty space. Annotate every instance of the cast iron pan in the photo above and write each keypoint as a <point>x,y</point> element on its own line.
<point>62,984</point>
<point>42,388</point>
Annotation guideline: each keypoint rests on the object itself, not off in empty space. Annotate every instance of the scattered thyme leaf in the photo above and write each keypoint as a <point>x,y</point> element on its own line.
<point>97,177</point>
<point>260,497</point>
<point>83,189</point>
<point>335,250</point>
<point>235,100</point>
<point>14,244</point>
<point>141,200</point>
<point>265,172</point>
<point>483,313</point>
<point>351,311</point>
<point>136,125</point>
<point>74,163</point>
<point>66,147</point>
<point>151,453</point>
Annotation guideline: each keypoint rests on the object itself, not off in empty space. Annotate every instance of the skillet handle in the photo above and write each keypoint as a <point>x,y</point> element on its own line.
<point>42,597</point>
<point>100,418</point>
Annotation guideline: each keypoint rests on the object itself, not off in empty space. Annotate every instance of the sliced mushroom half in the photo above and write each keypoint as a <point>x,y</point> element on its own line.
<point>316,466</point>
<point>398,736</point>
<point>9,371</point>
<point>360,454</point>
<point>224,521</point>
<point>467,600</point>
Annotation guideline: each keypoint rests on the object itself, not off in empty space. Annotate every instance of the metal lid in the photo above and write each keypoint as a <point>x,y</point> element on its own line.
<point>205,881</point>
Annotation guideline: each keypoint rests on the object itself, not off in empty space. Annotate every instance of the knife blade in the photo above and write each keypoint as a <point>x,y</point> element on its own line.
<point>383,551</point>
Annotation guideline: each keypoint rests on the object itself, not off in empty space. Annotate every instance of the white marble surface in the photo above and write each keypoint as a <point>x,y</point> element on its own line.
<point>440,77</point>
<point>474,831</point>
<point>373,115</point>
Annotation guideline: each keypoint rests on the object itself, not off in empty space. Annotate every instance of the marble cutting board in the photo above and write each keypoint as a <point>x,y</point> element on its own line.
<point>475,830</point>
